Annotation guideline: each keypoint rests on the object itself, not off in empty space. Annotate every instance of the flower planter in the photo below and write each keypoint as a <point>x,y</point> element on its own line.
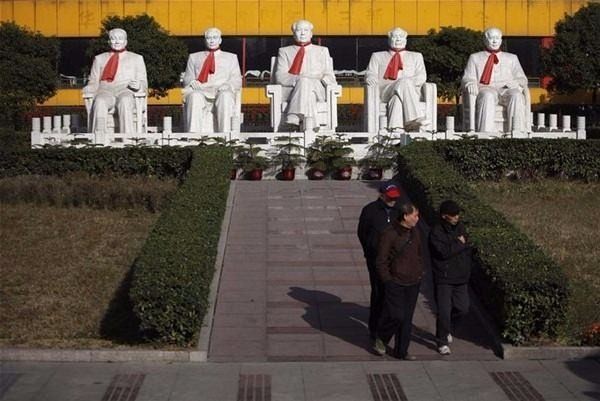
<point>374,173</point>
<point>233,174</point>
<point>288,174</point>
<point>254,175</point>
<point>344,173</point>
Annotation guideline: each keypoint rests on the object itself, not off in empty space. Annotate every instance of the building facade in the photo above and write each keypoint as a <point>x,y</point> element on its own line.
<point>254,29</point>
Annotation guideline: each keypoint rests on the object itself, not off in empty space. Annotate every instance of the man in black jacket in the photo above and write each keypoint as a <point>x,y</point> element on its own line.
<point>451,262</point>
<point>374,218</point>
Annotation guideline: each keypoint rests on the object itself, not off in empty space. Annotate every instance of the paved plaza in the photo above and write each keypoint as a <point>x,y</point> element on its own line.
<point>290,324</point>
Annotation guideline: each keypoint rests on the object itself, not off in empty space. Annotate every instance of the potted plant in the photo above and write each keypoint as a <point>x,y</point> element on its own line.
<point>381,155</point>
<point>248,158</point>
<point>288,155</point>
<point>330,155</point>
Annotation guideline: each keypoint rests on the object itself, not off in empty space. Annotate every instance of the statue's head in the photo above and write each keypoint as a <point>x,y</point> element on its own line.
<point>397,38</point>
<point>302,31</point>
<point>212,38</point>
<point>492,38</point>
<point>117,39</point>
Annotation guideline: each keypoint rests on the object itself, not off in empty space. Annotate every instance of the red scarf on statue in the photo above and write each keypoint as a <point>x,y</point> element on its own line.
<point>395,65</point>
<point>297,63</point>
<point>208,67</point>
<point>492,60</point>
<point>110,69</point>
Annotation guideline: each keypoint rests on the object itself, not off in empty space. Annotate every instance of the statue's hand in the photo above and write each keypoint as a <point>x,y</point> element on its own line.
<point>512,85</point>
<point>134,85</point>
<point>471,88</point>
<point>88,90</point>
<point>327,81</point>
<point>372,81</point>
<point>196,85</point>
<point>225,87</point>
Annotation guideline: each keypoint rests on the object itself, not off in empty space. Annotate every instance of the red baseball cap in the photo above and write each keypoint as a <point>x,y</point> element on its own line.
<point>391,191</point>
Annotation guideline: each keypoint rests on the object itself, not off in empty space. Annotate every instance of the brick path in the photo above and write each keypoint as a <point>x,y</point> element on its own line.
<point>294,285</point>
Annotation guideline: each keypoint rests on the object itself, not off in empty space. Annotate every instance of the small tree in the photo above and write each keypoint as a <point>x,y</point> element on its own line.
<point>572,61</point>
<point>164,55</point>
<point>446,53</point>
<point>28,72</point>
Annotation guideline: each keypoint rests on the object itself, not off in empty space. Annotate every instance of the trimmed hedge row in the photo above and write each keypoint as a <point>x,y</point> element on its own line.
<point>173,273</point>
<point>158,162</point>
<point>523,288</point>
<point>485,159</point>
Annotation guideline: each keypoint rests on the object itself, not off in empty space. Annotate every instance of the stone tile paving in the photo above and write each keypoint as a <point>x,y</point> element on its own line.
<point>557,380</point>
<point>294,285</point>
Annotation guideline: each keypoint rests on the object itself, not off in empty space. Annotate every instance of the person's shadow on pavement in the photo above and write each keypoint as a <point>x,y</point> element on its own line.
<point>326,312</point>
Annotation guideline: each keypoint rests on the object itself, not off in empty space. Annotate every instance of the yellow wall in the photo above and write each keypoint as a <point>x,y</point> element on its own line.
<point>72,18</point>
<point>72,97</point>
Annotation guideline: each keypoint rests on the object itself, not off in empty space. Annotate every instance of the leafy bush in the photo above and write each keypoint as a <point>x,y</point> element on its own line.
<point>524,289</point>
<point>77,190</point>
<point>154,162</point>
<point>173,273</point>
<point>485,159</point>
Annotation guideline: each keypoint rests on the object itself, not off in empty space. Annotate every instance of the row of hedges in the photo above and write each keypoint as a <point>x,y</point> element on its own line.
<point>151,162</point>
<point>485,159</point>
<point>173,273</point>
<point>523,288</point>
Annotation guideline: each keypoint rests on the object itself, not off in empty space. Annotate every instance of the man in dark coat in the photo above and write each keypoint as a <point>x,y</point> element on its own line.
<point>451,262</point>
<point>374,218</point>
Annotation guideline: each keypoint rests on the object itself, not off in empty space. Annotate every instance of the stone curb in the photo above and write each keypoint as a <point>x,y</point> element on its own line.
<point>100,355</point>
<point>206,329</point>
<point>511,352</point>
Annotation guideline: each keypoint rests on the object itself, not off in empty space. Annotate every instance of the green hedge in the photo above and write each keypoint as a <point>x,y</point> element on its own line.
<point>494,159</point>
<point>157,162</point>
<point>523,288</point>
<point>172,275</point>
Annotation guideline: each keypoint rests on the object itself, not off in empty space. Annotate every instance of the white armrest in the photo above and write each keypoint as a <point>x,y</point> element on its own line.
<point>371,110</point>
<point>274,92</point>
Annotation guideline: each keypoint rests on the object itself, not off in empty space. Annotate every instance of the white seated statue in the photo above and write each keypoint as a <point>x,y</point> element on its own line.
<point>397,98</point>
<point>305,90</point>
<point>117,84</point>
<point>495,94</point>
<point>212,88</point>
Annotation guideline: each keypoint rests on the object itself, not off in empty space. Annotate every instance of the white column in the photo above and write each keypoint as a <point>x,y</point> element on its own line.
<point>581,127</point>
<point>36,124</point>
<point>167,125</point>
<point>66,123</point>
<point>47,125</point>
<point>552,122</point>
<point>566,123</point>
<point>541,121</point>
<point>56,124</point>
<point>449,127</point>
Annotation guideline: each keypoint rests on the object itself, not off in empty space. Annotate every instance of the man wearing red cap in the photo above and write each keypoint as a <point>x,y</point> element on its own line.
<point>374,218</point>
<point>399,73</point>
<point>306,69</point>
<point>114,78</point>
<point>496,77</point>
<point>210,81</point>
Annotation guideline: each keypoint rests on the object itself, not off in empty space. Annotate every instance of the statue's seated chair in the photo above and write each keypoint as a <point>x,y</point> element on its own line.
<point>376,110</point>
<point>326,118</point>
<point>469,119</point>
<point>140,114</point>
<point>209,119</point>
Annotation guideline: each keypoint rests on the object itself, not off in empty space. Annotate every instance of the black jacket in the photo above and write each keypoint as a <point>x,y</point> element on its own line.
<point>451,259</point>
<point>374,218</point>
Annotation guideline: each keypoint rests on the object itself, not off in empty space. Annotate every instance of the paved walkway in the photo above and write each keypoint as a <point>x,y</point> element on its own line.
<point>308,381</point>
<point>294,284</point>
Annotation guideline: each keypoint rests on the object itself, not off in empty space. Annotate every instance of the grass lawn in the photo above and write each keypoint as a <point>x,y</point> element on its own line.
<point>61,273</point>
<point>563,218</point>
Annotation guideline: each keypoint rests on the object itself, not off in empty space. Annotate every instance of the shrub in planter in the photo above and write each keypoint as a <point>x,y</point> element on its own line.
<point>381,155</point>
<point>173,272</point>
<point>522,287</point>
<point>287,155</point>
<point>248,158</point>
<point>331,155</point>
